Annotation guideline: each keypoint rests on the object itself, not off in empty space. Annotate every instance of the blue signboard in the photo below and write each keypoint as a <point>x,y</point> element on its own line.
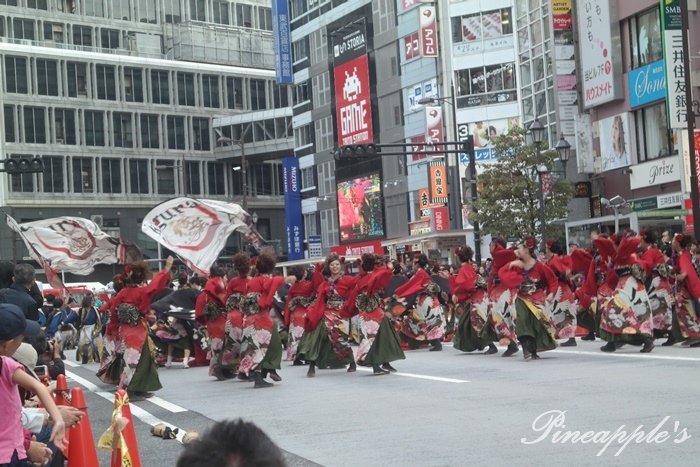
<point>647,84</point>
<point>283,41</point>
<point>292,208</point>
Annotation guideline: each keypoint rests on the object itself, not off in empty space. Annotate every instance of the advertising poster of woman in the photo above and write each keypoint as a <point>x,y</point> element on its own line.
<point>615,146</point>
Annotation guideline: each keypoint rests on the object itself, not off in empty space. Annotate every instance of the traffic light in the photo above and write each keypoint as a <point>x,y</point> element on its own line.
<point>22,166</point>
<point>356,151</point>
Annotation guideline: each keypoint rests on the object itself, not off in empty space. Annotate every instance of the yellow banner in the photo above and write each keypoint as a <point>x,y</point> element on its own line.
<point>561,7</point>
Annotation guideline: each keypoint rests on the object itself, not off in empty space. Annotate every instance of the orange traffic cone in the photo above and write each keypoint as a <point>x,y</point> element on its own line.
<point>61,394</point>
<point>120,436</point>
<point>81,450</point>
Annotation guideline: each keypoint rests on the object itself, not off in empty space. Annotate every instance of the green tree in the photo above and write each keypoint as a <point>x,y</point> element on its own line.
<point>508,203</point>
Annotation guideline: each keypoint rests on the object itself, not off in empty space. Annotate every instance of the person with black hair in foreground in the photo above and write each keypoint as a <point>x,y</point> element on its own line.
<point>232,443</point>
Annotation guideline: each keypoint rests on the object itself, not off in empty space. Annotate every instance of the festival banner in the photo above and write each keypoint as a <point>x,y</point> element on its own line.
<point>292,208</point>
<point>196,229</point>
<point>72,244</point>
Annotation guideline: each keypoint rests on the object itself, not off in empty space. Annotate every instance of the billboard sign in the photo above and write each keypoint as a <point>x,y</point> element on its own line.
<point>647,84</point>
<point>353,102</point>
<point>283,42</point>
<point>360,210</point>
<point>615,149</point>
<point>292,208</point>
<point>428,32</point>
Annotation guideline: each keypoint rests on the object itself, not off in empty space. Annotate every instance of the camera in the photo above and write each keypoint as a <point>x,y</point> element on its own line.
<point>41,371</point>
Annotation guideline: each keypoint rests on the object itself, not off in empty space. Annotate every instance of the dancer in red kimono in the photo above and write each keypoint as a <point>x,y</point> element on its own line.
<point>500,325</point>
<point>658,285</point>
<point>301,296</point>
<point>426,321</point>
<point>327,332</point>
<point>472,306</point>
<point>236,289</point>
<point>537,285</point>
<point>132,309</point>
<point>686,317</point>
<point>625,317</point>
<point>379,342</point>
<point>584,280</point>
<point>261,350</point>
<point>211,312</point>
<point>564,305</point>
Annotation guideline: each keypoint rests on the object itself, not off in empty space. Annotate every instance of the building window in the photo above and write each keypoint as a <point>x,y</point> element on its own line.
<point>147,11</point>
<point>83,179</point>
<point>329,226</point>
<point>149,131</point>
<point>9,2</point>
<point>93,8</point>
<point>77,79</point>
<point>53,32</point>
<point>23,29</point>
<point>173,13</point>
<point>221,15</point>
<point>301,49</point>
<point>111,175</point>
<point>185,89</point>
<point>301,92</point>
<point>265,18</point>
<point>16,75</point>
<point>310,224</point>
<point>53,174</point>
<point>244,15</point>
<point>21,183</point>
<point>193,182</point>
<point>210,91</point>
<point>234,93</point>
<point>165,176</point>
<point>215,178</point>
<point>9,116</point>
<point>34,125</point>
<point>64,126</point>
<point>106,82</point>
<point>200,134</point>
<point>482,26</point>
<point>645,40</point>
<point>654,139</point>
<point>94,128</point>
<point>123,131</point>
<point>280,96</point>
<point>133,84</point>
<point>176,132</point>
<point>303,135</point>
<point>263,179</point>
<point>197,10</point>
<point>82,36</point>
<point>159,87</point>
<point>486,85</point>
<point>109,39</point>
<point>38,4</point>
<point>307,178</point>
<point>121,10</point>
<point>257,94</point>
<point>138,176</point>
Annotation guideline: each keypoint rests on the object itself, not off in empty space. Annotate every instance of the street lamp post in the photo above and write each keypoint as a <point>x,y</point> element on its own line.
<point>537,131</point>
<point>244,167</point>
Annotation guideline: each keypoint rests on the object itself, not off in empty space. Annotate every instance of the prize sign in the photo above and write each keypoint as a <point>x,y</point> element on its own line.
<point>352,87</point>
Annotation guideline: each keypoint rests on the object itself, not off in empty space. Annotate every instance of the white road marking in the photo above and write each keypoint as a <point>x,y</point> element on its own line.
<point>627,355</point>
<point>174,408</point>
<point>71,363</point>
<point>136,411</point>
<point>413,375</point>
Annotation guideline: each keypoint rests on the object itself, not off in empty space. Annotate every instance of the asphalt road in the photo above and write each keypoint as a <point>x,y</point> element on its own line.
<point>445,409</point>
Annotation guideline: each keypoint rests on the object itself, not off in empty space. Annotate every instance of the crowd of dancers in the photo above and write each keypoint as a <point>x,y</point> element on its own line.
<point>625,289</point>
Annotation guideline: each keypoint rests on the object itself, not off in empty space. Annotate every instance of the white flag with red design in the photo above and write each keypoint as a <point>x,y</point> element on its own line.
<point>71,244</point>
<point>196,230</point>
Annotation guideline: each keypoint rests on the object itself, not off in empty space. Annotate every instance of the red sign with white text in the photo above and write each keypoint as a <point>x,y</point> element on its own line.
<point>352,100</point>
<point>428,32</point>
<point>417,144</point>
<point>441,219</point>
<point>433,126</point>
<point>357,249</point>
<point>411,46</point>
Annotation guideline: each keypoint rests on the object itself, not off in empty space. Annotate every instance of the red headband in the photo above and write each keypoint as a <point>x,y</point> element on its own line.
<point>678,237</point>
<point>529,243</point>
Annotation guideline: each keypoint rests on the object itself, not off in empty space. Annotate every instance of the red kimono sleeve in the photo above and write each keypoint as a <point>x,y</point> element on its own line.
<point>299,289</point>
<point>273,283</point>
<point>549,277</point>
<point>315,313</point>
<point>199,307</point>
<point>317,279</point>
<point>510,277</point>
<point>159,282</point>
<point>380,280</point>
<point>414,285</point>
<point>692,281</point>
<point>464,283</point>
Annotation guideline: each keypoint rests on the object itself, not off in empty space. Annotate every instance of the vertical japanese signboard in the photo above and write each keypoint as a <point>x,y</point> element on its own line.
<point>599,43</point>
<point>433,126</point>
<point>438,182</point>
<point>352,87</point>
<point>673,56</point>
<point>428,31</point>
<point>283,41</point>
<point>292,208</point>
